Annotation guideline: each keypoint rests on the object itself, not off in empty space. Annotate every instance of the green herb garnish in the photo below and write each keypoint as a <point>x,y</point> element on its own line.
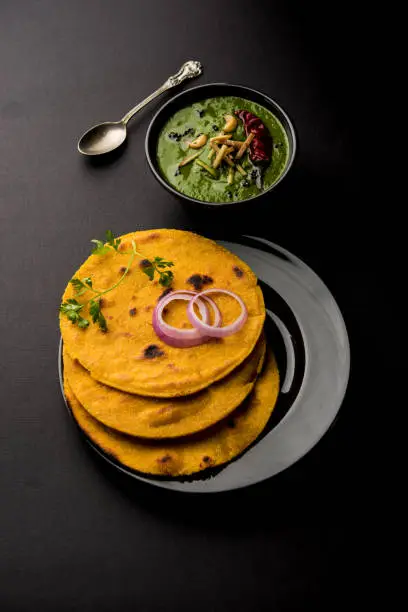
<point>72,308</point>
<point>80,286</point>
<point>101,248</point>
<point>157,265</point>
<point>96,314</point>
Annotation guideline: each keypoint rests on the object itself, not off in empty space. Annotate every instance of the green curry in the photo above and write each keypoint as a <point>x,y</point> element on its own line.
<point>226,183</point>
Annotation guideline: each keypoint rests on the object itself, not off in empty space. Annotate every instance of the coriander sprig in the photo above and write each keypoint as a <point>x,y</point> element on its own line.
<point>157,265</point>
<point>96,314</point>
<point>80,286</point>
<point>101,248</point>
<point>72,308</point>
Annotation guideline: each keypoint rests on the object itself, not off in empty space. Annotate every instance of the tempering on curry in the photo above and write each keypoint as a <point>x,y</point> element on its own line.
<point>222,149</point>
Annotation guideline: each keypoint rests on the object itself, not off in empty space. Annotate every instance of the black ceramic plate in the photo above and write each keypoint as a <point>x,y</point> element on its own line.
<point>307,332</point>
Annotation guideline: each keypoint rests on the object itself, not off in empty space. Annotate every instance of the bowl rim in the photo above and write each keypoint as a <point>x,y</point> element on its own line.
<point>250,90</point>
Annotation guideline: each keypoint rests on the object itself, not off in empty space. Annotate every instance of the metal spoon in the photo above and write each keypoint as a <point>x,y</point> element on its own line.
<point>108,136</point>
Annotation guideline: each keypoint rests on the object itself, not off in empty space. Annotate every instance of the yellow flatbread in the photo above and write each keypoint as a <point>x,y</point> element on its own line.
<point>212,447</point>
<point>122,357</point>
<point>149,417</point>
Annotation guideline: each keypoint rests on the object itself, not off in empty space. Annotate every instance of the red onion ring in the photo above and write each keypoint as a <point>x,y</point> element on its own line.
<point>211,330</point>
<point>170,330</point>
<point>183,338</point>
<point>215,309</point>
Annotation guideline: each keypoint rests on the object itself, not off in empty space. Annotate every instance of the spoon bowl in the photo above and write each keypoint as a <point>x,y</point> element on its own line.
<point>102,138</point>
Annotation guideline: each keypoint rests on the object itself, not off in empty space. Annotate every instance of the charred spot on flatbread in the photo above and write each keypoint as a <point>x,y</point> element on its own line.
<point>145,263</point>
<point>164,459</point>
<point>206,462</point>
<point>238,272</point>
<point>132,312</point>
<point>199,280</point>
<point>149,237</point>
<point>152,351</point>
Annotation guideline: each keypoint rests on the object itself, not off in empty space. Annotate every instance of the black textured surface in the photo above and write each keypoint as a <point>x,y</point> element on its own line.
<point>74,535</point>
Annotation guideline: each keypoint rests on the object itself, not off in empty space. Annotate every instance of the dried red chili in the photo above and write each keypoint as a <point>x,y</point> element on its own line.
<point>260,149</point>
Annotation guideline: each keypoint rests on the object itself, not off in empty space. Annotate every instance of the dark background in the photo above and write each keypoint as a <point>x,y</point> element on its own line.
<point>73,534</point>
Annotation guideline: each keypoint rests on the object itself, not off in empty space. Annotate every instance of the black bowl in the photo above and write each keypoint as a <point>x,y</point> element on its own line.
<point>195,94</point>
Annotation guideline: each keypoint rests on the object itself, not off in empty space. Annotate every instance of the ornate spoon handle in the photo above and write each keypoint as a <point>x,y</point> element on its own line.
<point>189,70</point>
